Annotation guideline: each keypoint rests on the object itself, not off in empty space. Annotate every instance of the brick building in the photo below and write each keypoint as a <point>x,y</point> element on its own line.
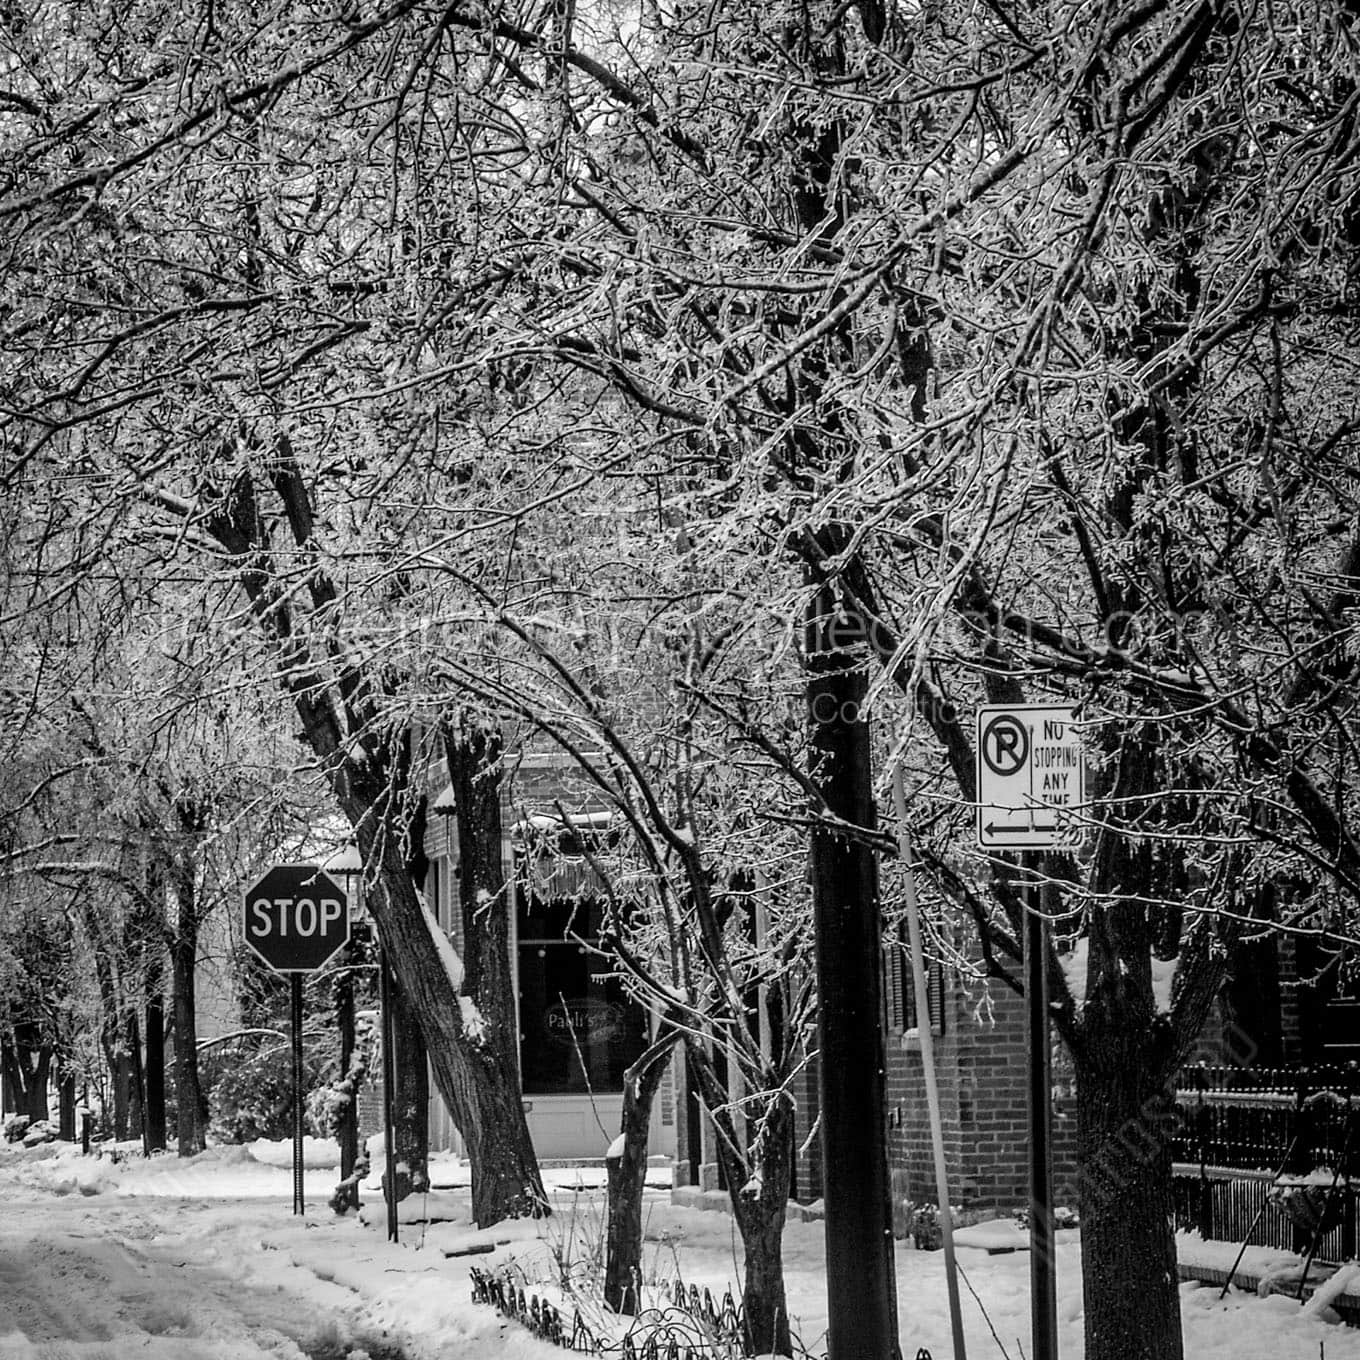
<point>578,1031</point>
<point>981,1073</point>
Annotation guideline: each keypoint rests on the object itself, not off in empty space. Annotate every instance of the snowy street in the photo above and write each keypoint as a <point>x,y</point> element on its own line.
<point>95,1279</point>
<point>203,1260</point>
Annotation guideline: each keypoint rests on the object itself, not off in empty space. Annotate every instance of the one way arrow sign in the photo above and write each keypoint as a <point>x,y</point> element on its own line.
<point>1031,776</point>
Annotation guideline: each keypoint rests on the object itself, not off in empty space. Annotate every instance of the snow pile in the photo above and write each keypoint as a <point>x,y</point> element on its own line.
<point>996,1234</point>
<point>317,1153</point>
<point>1192,1249</point>
<point>1320,1305</point>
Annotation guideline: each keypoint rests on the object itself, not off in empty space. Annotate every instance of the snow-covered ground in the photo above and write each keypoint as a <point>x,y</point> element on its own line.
<point>202,1259</point>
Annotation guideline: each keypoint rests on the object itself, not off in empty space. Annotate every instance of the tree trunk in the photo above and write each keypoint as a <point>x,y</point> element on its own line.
<point>410,1100</point>
<point>27,1065</point>
<point>38,1079</point>
<point>1128,1251</point>
<point>1125,1053</point>
<point>191,1106</point>
<point>482,1097</point>
<point>347,1125</point>
<point>136,1081</point>
<point>66,1108</point>
<point>9,1100</point>
<point>155,1070</point>
<point>120,1082</point>
<point>496,1131</point>
<point>759,1206</point>
<point>627,1171</point>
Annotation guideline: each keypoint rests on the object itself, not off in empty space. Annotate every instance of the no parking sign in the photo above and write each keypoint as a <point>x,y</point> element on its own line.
<point>1031,776</point>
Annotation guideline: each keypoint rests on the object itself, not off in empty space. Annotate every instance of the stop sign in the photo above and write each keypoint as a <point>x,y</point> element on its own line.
<point>296,917</point>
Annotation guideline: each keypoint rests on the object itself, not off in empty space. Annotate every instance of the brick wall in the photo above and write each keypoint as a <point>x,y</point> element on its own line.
<point>807,1164</point>
<point>981,1072</point>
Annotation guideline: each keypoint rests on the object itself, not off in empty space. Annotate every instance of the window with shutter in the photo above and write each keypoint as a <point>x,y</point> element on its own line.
<point>903,1013</point>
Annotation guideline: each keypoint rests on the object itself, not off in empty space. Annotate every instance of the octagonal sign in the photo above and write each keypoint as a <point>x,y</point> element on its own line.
<point>296,917</point>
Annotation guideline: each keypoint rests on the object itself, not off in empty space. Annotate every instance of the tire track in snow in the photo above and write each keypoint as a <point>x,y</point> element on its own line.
<point>100,1288</point>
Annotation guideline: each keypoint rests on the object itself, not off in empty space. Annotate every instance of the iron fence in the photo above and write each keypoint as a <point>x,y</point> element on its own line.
<point>1270,1154</point>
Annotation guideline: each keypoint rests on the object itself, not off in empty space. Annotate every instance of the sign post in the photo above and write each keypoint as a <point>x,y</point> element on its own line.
<point>295,918</point>
<point>1031,785</point>
<point>295,1008</point>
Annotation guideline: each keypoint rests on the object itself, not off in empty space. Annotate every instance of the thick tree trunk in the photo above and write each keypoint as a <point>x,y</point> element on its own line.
<point>497,1130</point>
<point>39,1076</point>
<point>191,1106</point>
<point>627,1171</point>
<point>483,1098</point>
<point>1128,1252</point>
<point>38,1094</point>
<point>1125,1053</point>
<point>410,1100</point>
<point>28,1065</point>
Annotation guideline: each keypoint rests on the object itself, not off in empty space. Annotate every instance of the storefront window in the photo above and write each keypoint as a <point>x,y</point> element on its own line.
<point>579,1032</point>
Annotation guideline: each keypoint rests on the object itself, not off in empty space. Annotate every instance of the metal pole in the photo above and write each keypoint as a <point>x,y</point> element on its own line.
<point>388,1084</point>
<point>1042,1275</point>
<point>295,981</point>
<point>918,982</point>
<point>348,1130</point>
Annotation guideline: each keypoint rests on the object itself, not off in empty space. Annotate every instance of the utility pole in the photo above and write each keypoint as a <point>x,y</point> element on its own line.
<point>861,1285</point>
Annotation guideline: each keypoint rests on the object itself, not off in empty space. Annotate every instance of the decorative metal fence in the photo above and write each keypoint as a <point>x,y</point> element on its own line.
<point>1269,1153</point>
<point>693,1327</point>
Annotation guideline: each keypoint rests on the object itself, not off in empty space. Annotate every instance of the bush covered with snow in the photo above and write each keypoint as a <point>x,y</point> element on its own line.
<point>251,1095</point>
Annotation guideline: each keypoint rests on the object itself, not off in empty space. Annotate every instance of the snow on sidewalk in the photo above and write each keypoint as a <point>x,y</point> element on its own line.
<point>148,1228</point>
